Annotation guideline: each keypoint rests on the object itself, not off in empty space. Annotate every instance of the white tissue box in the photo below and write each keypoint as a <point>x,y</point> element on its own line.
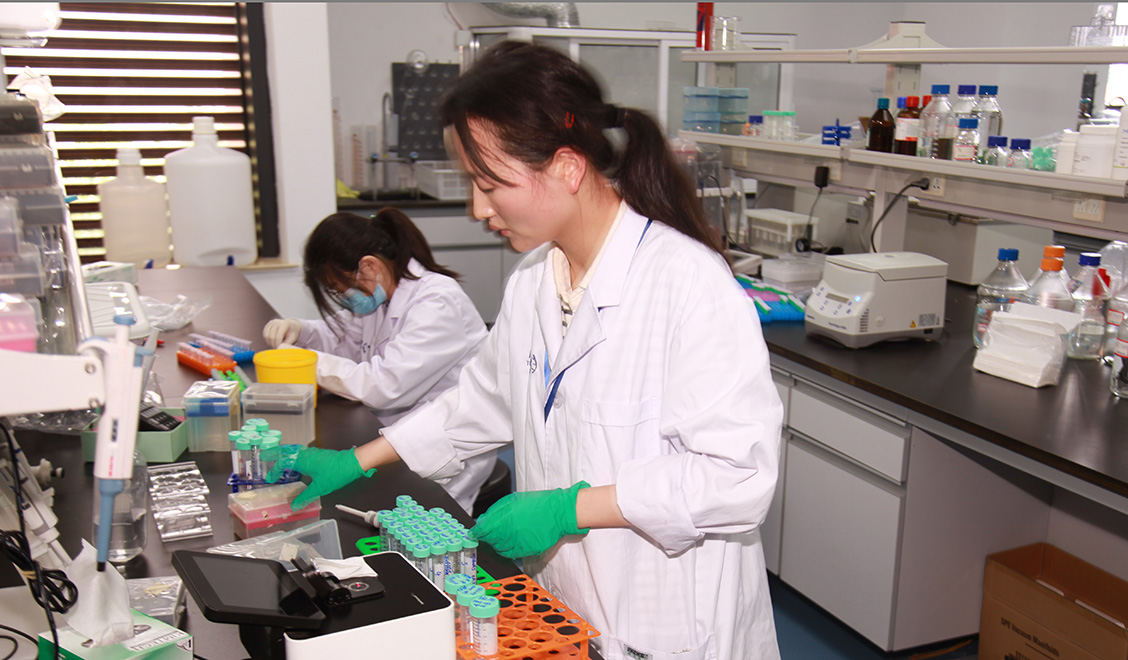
<point>1026,345</point>
<point>152,640</point>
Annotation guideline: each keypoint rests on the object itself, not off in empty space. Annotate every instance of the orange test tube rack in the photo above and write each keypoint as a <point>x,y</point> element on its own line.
<point>532,624</point>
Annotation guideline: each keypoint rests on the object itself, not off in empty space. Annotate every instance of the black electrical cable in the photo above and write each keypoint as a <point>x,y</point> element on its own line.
<point>15,646</point>
<point>921,183</point>
<point>804,244</point>
<point>63,593</point>
<point>17,631</point>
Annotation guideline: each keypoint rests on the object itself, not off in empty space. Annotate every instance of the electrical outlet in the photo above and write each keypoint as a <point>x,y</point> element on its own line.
<point>835,170</point>
<point>935,186</point>
<point>1089,208</point>
<point>857,213</point>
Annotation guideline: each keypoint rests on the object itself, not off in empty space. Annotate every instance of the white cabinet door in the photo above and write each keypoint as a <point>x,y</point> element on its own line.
<point>771,532</point>
<point>840,538</point>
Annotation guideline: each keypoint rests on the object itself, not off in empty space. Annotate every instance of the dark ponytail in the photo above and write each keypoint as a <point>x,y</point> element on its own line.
<point>338,243</point>
<point>536,100</point>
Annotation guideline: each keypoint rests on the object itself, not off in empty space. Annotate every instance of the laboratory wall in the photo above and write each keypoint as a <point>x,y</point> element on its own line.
<point>367,37</point>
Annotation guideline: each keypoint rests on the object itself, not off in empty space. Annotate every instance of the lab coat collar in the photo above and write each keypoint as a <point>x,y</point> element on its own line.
<point>398,304</point>
<point>604,290</point>
<point>610,276</point>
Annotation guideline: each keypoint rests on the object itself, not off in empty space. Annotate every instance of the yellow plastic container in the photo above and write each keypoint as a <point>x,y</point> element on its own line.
<point>287,365</point>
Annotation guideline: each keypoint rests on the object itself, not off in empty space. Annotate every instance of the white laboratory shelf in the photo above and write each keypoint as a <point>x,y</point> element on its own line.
<point>1038,198</point>
<point>1029,178</point>
<point>1021,55</point>
<point>760,144</point>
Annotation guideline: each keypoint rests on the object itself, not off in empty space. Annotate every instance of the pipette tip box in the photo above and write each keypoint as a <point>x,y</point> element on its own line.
<point>263,510</point>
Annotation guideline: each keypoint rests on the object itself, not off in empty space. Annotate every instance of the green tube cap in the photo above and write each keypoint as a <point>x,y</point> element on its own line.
<point>453,583</point>
<point>483,607</point>
<point>467,594</point>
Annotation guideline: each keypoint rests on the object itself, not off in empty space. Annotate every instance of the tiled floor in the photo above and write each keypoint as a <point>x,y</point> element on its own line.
<point>806,632</point>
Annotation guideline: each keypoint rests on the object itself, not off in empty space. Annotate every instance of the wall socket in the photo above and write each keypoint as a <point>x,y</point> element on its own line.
<point>1089,208</point>
<point>857,213</point>
<point>935,186</point>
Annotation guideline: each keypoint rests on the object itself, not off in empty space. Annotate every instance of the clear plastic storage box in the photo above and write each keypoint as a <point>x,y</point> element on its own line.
<point>27,167</point>
<point>441,180</point>
<point>794,273</point>
<point>286,407</point>
<point>701,99</point>
<point>775,231</point>
<point>212,409</point>
<point>733,100</point>
<point>19,324</point>
<point>705,122</point>
<point>10,227</point>
<point>263,510</point>
<point>23,273</point>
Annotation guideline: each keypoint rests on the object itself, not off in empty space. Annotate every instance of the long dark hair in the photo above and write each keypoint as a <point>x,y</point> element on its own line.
<point>338,243</point>
<point>536,100</point>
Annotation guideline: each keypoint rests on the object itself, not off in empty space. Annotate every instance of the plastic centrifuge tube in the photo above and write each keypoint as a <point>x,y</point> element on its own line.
<point>468,558</point>
<point>450,587</point>
<point>483,623</point>
<point>234,437</point>
<point>438,565</point>
<point>452,561</point>
<point>243,448</point>
<point>271,452</point>
<point>255,441</point>
<point>462,599</point>
<point>419,558</point>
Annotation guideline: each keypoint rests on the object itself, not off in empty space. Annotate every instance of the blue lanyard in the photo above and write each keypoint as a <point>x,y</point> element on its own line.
<point>560,376</point>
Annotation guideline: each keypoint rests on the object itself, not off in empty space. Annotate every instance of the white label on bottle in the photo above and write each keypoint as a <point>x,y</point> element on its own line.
<point>908,130</point>
<point>1122,348</point>
<point>965,152</point>
<point>1115,317</point>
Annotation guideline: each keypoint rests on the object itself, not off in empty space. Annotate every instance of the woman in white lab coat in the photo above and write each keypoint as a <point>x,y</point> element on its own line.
<point>625,366</point>
<point>396,327</point>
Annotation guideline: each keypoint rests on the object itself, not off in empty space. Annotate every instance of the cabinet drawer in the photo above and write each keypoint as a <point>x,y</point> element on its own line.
<point>859,433</point>
<point>840,538</point>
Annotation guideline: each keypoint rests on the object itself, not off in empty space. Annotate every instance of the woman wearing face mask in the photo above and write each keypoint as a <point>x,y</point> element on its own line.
<point>396,327</point>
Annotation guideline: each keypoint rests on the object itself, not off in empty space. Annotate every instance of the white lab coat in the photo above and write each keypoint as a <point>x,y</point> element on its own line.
<point>669,396</point>
<point>404,354</point>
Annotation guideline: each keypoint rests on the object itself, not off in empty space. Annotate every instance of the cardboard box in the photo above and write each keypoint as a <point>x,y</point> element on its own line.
<point>1040,602</point>
<point>157,446</point>
<point>152,640</point>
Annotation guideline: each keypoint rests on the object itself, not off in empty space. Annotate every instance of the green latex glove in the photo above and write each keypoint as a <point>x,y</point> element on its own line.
<point>527,524</point>
<point>329,469</point>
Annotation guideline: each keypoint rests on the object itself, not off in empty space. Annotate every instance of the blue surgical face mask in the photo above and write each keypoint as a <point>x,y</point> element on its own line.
<point>360,303</point>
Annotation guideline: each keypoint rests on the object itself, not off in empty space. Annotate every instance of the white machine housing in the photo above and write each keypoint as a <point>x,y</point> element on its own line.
<point>867,298</point>
<point>379,628</point>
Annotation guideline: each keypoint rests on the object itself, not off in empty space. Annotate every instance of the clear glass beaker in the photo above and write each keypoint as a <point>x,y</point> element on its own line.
<point>726,33</point>
<point>131,508</point>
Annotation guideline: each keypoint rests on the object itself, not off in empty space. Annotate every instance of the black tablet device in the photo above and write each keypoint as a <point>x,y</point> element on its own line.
<point>245,590</point>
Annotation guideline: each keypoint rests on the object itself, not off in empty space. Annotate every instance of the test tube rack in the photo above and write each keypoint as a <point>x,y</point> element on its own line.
<point>533,624</point>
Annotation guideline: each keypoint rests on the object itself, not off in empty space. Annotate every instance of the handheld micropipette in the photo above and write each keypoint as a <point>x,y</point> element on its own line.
<point>370,517</point>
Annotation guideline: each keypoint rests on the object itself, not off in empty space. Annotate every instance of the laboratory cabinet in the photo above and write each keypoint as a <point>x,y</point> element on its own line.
<point>886,526</point>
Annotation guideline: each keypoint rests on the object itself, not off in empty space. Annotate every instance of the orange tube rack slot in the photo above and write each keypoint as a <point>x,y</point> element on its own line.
<point>532,624</point>
<point>201,360</point>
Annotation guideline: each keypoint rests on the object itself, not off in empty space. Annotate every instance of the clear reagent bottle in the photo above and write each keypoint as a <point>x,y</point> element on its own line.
<point>998,291</point>
<point>1090,294</point>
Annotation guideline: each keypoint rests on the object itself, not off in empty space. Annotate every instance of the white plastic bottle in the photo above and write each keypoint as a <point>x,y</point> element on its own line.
<point>134,214</point>
<point>210,201</point>
<point>1063,155</point>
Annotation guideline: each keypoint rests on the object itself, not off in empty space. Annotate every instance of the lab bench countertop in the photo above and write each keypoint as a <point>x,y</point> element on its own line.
<point>236,309</point>
<point>1077,427</point>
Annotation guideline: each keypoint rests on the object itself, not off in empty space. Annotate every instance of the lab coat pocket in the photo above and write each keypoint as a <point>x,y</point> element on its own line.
<point>706,651</point>
<point>621,431</point>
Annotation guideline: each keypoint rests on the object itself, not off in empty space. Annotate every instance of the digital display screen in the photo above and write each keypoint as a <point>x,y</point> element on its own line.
<point>837,298</point>
<point>254,585</point>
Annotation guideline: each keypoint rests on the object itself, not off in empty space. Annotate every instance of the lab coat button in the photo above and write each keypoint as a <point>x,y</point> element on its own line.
<point>558,402</point>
